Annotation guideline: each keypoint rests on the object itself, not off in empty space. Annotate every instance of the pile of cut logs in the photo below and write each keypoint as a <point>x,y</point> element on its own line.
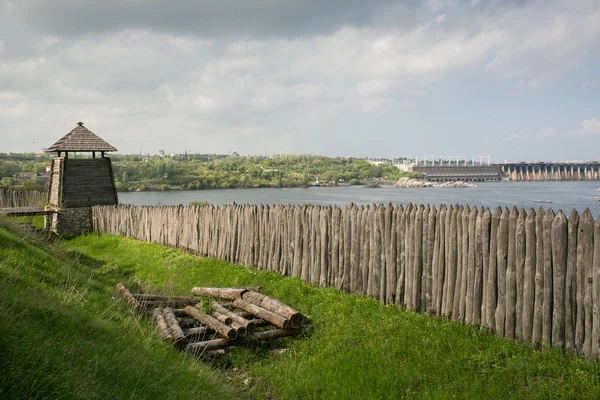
<point>242,316</point>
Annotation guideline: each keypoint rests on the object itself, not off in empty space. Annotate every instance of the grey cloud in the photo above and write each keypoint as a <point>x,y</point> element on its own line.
<point>224,18</point>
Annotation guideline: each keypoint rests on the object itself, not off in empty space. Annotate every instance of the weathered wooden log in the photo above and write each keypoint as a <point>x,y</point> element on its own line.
<point>596,292</point>
<point>465,263</point>
<point>452,263</point>
<point>179,312</point>
<point>486,221</point>
<point>157,297</point>
<point>260,312</point>
<point>478,281</point>
<point>444,255</point>
<point>222,318</point>
<point>548,295</point>
<point>234,317</point>
<point>161,324</point>
<point>293,316</point>
<point>418,258</point>
<point>215,344</point>
<point>434,261</point>
<point>391,254</point>
<point>511,276</point>
<point>440,270</point>
<point>502,256</point>
<point>346,235</point>
<point>127,295</point>
<point>471,266</point>
<point>529,277</point>
<point>175,303</point>
<point>240,329</point>
<point>197,332</point>
<point>173,324</point>
<point>428,249</point>
<point>492,282</point>
<point>538,308</point>
<point>520,243</point>
<point>211,322</point>
<point>220,293</point>
<point>355,273</point>
<point>571,283</point>
<point>559,271</point>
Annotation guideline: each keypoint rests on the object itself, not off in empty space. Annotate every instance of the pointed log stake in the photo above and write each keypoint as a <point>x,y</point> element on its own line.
<point>127,295</point>
<point>212,323</point>
<point>241,321</point>
<point>220,293</point>
<point>173,325</point>
<point>208,345</point>
<point>294,317</point>
<point>559,235</point>
<point>260,312</point>
<point>161,324</point>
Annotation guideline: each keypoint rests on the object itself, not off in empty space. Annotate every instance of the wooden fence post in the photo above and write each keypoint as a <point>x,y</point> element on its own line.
<point>502,257</point>
<point>520,244</point>
<point>585,246</point>
<point>548,295</point>
<point>559,271</point>
<point>529,277</point>
<point>596,291</point>
<point>571,283</point>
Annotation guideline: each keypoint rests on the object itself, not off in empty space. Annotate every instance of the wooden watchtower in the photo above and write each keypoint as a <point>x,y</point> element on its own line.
<point>76,184</point>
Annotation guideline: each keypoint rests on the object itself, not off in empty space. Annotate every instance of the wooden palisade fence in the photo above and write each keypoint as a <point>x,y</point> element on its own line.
<point>533,276</point>
<point>21,198</point>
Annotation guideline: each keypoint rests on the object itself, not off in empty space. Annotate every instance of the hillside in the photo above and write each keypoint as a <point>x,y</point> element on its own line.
<point>62,335</point>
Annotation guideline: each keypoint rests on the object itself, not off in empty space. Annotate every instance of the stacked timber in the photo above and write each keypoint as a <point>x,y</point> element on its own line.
<point>199,330</point>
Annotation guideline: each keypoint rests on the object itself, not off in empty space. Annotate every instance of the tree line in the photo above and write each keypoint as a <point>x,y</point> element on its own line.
<point>205,171</point>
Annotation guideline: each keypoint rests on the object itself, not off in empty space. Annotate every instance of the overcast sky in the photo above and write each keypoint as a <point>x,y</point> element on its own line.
<point>518,80</point>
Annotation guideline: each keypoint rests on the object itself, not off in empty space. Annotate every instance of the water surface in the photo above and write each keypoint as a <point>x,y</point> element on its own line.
<point>562,194</point>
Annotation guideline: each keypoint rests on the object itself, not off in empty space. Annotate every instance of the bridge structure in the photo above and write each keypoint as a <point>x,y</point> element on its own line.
<point>480,168</point>
<point>551,171</point>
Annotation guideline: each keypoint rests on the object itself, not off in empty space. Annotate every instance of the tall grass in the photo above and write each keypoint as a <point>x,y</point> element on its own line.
<point>63,336</point>
<point>358,348</point>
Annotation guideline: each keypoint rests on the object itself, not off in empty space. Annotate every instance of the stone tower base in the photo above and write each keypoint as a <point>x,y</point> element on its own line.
<point>69,220</point>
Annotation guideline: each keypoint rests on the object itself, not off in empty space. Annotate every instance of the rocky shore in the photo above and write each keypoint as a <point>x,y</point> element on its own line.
<point>419,183</point>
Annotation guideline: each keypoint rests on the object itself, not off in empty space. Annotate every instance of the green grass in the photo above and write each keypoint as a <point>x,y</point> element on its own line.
<point>35,221</point>
<point>358,348</point>
<point>63,336</point>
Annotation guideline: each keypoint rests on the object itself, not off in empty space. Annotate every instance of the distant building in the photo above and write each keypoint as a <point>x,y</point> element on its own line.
<point>161,153</point>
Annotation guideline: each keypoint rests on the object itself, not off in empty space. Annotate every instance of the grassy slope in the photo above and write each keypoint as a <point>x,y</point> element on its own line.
<point>63,336</point>
<point>359,347</point>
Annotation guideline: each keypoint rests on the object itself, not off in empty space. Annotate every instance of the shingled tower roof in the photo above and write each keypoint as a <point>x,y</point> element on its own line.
<point>80,139</point>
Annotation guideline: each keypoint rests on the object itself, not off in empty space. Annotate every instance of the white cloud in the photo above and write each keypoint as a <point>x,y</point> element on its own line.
<point>546,132</point>
<point>589,127</point>
<point>150,80</point>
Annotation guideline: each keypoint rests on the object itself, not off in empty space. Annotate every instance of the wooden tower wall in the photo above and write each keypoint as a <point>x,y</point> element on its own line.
<point>82,183</point>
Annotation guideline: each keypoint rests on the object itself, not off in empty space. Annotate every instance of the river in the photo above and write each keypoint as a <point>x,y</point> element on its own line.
<point>556,194</point>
